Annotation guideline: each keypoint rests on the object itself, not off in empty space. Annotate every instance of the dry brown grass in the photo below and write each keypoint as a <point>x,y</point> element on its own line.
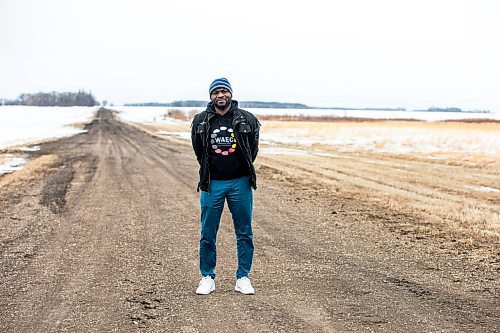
<point>32,170</point>
<point>177,114</point>
<point>442,200</point>
<point>153,129</point>
<point>446,199</point>
<point>472,120</point>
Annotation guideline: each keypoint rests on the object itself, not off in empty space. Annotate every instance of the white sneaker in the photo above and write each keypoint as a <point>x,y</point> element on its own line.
<point>244,286</point>
<point>206,285</point>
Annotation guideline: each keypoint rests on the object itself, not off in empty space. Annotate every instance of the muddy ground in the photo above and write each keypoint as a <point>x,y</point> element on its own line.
<point>103,237</point>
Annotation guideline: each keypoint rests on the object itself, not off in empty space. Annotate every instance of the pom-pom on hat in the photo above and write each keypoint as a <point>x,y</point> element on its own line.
<point>220,83</point>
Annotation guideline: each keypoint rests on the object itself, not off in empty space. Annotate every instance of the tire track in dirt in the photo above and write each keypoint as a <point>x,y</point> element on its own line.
<point>428,200</point>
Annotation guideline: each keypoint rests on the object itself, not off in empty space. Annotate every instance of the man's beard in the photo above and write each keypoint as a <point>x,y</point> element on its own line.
<point>222,103</point>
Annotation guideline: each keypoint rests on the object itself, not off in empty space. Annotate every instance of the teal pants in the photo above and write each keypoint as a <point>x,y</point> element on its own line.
<point>239,196</point>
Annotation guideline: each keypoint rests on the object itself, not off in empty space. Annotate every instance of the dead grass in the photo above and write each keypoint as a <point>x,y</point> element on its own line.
<point>153,129</point>
<point>445,198</point>
<point>177,114</point>
<point>32,170</point>
<point>472,120</point>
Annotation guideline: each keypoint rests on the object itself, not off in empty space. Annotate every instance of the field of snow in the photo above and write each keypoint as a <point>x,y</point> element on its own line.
<point>21,125</point>
<point>151,115</point>
<point>397,137</point>
<point>154,114</point>
<point>375,114</point>
<point>429,136</point>
<point>28,125</point>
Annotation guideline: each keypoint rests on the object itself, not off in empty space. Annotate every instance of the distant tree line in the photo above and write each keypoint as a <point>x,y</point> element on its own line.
<point>251,104</point>
<point>256,104</point>
<point>273,105</point>
<point>435,109</point>
<point>80,98</point>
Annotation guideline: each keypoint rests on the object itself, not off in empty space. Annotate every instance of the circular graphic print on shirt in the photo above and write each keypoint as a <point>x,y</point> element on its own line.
<point>223,141</point>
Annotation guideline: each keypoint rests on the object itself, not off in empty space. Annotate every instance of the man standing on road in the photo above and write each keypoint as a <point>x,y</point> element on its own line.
<point>226,141</point>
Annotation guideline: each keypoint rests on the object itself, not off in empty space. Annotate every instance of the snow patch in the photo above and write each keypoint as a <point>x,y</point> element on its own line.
<point>389,140</point>
<point>150,115</point>
<point>483,189</point>
<point>12,164</point>
<point>488,189</point>
<point>182,135</point>
<point>284,151</point>
<point>30,149</point>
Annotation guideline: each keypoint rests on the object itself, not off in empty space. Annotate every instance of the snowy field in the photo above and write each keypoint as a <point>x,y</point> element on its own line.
<point>21,125</point>
<point>27,125</point>
<point>154,114</point>
<point>429,136</point>
<point>395,137</point>
<point>151,115</point>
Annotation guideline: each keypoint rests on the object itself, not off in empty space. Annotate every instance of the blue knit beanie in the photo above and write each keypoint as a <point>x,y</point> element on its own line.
<point>220,83</point>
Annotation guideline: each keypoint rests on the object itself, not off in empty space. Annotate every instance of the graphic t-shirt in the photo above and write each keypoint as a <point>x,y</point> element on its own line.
<point>226,161</point>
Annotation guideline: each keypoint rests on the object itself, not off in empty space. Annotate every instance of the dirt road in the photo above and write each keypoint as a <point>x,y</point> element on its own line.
<point>101,235</point>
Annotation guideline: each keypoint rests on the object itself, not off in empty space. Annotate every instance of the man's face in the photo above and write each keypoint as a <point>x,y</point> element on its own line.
<point>221,97</point>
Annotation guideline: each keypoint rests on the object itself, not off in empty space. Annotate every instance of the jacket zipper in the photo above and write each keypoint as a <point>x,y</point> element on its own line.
<point>209,116</point>
<point>236,121</point>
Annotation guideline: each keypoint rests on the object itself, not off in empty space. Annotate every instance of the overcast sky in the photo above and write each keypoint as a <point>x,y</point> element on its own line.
<point>356,53</point>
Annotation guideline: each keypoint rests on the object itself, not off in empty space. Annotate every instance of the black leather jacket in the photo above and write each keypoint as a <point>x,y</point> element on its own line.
<point>246,128</point>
